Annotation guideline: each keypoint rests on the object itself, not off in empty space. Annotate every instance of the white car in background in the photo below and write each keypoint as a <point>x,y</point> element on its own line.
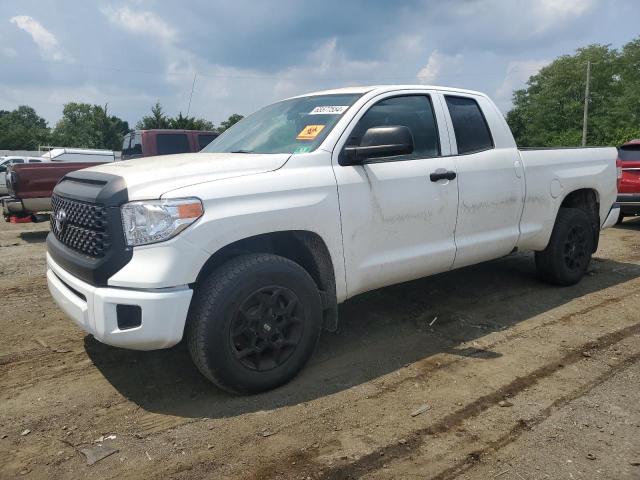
<point>80,155</point>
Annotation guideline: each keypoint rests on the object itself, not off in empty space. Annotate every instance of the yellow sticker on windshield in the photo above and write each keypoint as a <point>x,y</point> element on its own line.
<point>309,132</point>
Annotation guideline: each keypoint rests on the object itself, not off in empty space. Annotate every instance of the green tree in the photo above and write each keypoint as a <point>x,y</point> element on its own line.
<point>157,119</point>
<point>22,129</point>
<point>229,122</point>
<point>549,111</point>
<point>89,126</point>
<point>190,123</point>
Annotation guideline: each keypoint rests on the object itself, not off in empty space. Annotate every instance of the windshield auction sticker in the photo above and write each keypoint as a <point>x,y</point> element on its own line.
<point>309,132</point>
<point>329,110</point>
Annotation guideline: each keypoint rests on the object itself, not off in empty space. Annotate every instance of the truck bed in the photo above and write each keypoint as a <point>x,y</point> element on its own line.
<point>559,171</point>
<point>30,185</point>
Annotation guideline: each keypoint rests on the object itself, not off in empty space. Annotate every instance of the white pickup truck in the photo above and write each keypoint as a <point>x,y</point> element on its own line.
<point>246,248</point>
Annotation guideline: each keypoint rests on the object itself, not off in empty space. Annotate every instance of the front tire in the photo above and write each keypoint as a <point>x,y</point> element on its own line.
<point>568,254</point>
<point>254,323</point>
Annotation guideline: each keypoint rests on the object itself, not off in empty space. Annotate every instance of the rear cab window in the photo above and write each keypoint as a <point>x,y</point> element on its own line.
<point>169,144</point>
<point>629,153</point>
<point>469,125</point>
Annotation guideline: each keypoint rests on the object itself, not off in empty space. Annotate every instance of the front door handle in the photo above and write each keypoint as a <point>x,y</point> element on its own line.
<point>442,175</point>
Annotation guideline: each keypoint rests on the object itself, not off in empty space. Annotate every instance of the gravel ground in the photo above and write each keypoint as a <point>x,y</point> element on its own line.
<point>480,373</point>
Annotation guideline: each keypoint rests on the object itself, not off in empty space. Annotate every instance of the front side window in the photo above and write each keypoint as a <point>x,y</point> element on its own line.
<point>125,144</point>
<point>169,144</point>
<point>136,144</point>
<point>298,125</point>
<point>469,125</point>
<point>412,111</point>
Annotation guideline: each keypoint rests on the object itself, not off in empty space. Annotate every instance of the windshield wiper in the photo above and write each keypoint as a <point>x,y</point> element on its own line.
<point>241,151</point>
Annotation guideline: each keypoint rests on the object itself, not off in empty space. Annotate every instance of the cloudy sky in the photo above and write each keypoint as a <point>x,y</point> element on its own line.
<point>247,53</point>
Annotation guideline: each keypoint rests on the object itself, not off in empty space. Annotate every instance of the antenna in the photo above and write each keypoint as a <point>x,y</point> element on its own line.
<point>193,85</point>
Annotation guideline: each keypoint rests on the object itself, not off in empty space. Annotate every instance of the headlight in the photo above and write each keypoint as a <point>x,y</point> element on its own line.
<point>154,221</point>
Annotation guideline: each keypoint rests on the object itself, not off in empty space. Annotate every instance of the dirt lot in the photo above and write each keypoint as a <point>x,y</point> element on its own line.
<point>522,381</point>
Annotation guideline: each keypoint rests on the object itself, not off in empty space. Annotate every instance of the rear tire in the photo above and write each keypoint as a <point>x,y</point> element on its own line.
<point>568,254</point>
<point>620,218</point>
<point>254,323</point>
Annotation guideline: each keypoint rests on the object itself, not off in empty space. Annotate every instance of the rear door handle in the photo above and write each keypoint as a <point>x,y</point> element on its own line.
<point>442,175</point>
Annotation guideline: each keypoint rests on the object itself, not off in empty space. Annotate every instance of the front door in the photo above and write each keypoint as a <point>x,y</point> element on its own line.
<point>397,222</point>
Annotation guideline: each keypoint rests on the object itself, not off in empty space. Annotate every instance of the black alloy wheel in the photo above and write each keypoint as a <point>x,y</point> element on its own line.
<point>575,248</point>
<point>254,322</point>
<point>267,328</point>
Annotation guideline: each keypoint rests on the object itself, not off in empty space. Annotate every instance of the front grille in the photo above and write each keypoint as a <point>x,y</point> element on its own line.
<point>80,226</point>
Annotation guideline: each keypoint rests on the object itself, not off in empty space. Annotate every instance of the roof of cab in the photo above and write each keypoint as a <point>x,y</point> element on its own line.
<point>387,88</point>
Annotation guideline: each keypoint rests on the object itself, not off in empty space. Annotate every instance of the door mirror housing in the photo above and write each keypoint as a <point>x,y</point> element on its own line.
<point>379,142</point>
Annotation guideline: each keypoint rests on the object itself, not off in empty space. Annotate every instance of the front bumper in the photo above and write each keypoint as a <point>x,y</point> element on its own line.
<point>95,310</point>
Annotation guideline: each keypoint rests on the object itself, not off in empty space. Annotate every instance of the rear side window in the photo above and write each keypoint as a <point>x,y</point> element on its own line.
<point>204,140</point>
<point>469,125</point>
<point>412,111</point>
<point>35,161</point>
<point>172,143</point>
<point>629,153</point>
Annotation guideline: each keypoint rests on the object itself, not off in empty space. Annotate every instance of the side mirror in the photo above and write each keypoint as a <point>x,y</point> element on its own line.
<point>378,142</point>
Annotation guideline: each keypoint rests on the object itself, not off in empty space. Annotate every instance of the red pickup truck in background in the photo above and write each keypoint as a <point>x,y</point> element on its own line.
<point>629,179</point>
<point>147,143</point>
<point>30,186</point>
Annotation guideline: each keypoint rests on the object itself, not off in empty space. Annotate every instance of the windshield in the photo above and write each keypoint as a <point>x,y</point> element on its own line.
<point>298,125</point>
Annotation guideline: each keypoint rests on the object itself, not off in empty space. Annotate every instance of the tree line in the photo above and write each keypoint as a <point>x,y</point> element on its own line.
<point>549,110</point>
<point>88,126</point>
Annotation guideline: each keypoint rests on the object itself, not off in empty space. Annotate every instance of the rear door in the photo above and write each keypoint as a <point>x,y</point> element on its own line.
<point>397,223</point>
<point>490,180</point>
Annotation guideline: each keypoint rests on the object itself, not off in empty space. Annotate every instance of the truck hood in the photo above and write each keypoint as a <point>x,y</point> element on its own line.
<point>151,177</point>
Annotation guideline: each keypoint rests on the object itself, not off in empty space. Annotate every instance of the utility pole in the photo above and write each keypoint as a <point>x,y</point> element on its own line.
<point>587,93</point>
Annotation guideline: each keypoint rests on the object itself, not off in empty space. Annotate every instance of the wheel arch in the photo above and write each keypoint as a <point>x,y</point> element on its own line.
<point>588,200</point>
<point>303,247</point>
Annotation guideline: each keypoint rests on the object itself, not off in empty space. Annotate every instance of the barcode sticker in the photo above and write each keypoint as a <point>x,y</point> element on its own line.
<point>329,110</point>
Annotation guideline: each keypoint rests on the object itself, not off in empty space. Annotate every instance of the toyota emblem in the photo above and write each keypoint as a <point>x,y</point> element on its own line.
<point>60,219</point>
